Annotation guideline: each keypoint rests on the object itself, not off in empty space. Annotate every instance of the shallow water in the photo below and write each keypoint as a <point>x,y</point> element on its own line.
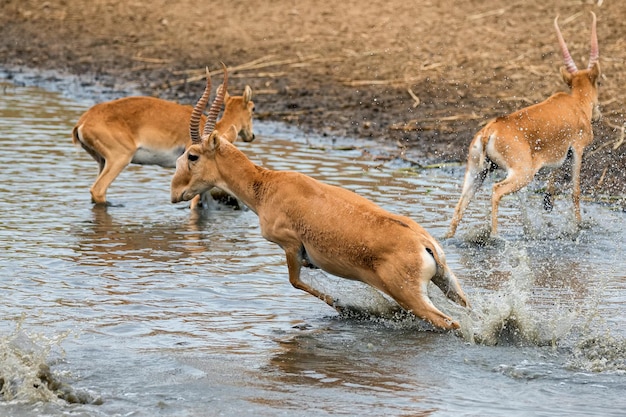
<point>142,309</point>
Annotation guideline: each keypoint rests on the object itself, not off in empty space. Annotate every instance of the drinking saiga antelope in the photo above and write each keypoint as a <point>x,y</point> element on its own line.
<point>542,135</point>
<point>323,226</point>
<point>150,131</point>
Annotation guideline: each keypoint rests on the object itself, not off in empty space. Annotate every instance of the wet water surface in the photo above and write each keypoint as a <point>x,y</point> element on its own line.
<point>143,309</point>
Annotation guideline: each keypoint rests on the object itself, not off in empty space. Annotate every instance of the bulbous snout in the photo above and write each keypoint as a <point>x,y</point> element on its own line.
<point>176,195</point>
<point>176,198</point>
<point>247,135</point>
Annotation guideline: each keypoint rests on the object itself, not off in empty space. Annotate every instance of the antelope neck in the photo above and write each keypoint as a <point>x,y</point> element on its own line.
<point>238,175</point>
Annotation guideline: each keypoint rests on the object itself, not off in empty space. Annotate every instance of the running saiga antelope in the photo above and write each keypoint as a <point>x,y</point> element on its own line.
<point>323,226</point>
<point>149,131</point>
<point>538,136</point>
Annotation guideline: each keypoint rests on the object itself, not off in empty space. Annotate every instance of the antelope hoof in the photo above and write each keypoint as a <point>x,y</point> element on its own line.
<point>453,325</point>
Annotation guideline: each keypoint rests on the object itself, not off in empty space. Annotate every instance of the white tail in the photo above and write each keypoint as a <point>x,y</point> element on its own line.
<point>538,136</point>
<point>150,131</point>
<point>327,227</point>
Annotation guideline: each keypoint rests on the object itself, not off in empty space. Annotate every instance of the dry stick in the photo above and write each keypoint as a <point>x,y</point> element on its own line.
<point>415,98</point>
<point>256,64</point>
<point>571,18</point>
<point>522,99</point>
<point>601,180</point>
<point>405,125</point>
<point>599,148</point>
<point>496,12</point>
<point>151,60</point>
<point>198,71</point>
<point>362,83</point>
<point>260,75</point>
<point>616,143</point>
<point>202,75</point>
<point>619,141</point>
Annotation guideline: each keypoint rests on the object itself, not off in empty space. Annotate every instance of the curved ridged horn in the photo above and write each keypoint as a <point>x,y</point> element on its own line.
<point>567,58</point>
<point>196,114</point>
<point>209,126</point>
<point>595,52</point>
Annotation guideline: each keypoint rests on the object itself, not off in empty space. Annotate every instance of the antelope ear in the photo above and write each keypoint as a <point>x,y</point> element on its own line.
<point>213,141</point>
<point>247,95</point>
<point>567,76</point>
<point>231,134</point>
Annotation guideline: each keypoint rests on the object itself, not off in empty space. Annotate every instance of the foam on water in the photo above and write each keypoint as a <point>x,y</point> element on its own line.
<point>25,374</point>
<point>602,353</point>
<point>507,314</point>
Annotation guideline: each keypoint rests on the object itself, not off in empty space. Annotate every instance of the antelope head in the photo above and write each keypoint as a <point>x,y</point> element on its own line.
<point>193,175</point>
<point>242,109</point>
<point>584,82</point>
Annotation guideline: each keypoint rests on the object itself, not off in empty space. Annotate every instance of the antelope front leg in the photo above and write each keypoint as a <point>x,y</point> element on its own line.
<point>195,202</point>
<point>294,265</point>
<point>576,165</point>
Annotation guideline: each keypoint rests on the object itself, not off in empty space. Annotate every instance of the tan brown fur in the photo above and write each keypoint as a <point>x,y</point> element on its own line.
<point>149,131</point>
<point>325,226</point>
<point>538,136</point>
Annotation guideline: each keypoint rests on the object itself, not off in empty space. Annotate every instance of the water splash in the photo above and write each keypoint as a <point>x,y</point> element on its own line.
<point>604,353</point>
<point>26,377</point>
<point>509,316</point>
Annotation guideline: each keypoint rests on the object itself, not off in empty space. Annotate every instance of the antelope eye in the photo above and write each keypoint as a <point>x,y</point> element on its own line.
<point>192,157</point>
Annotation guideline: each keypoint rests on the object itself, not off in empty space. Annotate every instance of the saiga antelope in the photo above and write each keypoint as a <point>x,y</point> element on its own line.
<point>541,135</point>
<point>149,131</point>
<point>323,226</point>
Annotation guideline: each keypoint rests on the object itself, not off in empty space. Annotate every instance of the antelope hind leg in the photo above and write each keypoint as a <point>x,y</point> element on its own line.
<point>419,304</point>
<point>513,182</point>
<point>112,169</point>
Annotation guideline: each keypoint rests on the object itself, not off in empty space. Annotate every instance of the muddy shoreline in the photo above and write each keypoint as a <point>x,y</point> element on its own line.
<point>421,78</point>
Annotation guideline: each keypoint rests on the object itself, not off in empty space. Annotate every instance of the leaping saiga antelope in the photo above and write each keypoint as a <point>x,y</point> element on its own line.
<point>323,226</point>
<point>538,136</point>
<point>150,131</point>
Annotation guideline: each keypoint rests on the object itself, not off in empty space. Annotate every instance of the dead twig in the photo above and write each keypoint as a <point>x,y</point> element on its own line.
<point>414,123</point>
<point>601,180</point>
<point>259,63</point>
<point>416,99</point>
<point>618,142</point>
<point>151,60</point>
<point>391,82</point>
<point>495,12</point>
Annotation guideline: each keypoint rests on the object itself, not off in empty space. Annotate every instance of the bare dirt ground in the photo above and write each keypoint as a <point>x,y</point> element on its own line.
<point>421,75</point>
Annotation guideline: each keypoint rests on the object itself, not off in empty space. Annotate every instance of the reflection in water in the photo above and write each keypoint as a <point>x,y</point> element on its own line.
<point>104,241</point>
<point>331,360</point>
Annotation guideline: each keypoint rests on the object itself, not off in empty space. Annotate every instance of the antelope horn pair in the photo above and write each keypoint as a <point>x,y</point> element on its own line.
<point>567,58</point>
<point>196,114</point>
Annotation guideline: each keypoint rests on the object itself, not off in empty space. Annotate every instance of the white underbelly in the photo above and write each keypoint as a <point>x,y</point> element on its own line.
<point>162,157</point>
